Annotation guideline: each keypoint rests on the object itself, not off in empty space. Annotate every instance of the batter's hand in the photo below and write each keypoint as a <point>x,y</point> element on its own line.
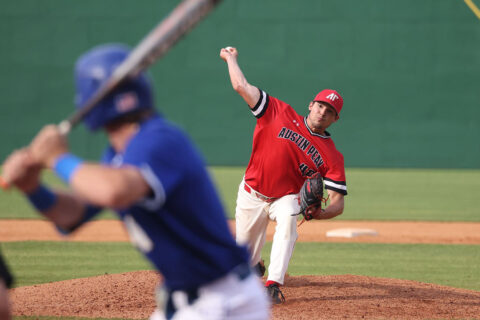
<point>21,170</point>
<point>228,52</point>
<point>48,145</point>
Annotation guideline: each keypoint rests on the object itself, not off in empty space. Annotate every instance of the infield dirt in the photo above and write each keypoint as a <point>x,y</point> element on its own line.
<point>130,295</point>
<point>312,231</point>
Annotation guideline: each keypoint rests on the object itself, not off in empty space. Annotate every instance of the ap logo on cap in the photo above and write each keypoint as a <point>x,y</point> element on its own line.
<point>332,96</point>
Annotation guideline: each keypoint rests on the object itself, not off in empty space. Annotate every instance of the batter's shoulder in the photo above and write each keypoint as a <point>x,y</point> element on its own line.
<point>161,137</point>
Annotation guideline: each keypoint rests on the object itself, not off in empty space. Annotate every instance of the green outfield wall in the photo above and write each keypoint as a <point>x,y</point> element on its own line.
<point>409,71</point>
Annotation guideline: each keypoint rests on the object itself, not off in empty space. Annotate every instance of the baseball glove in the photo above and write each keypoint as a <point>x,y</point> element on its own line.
<point>311,195</point>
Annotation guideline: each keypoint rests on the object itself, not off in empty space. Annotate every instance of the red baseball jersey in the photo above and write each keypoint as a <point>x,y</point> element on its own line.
<point>285,152</point>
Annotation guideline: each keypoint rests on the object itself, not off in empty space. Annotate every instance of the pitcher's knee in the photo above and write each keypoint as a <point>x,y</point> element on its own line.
<point>287,228</point>
<point>288,221</point>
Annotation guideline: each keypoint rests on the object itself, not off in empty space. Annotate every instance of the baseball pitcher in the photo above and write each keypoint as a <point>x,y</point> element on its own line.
<point>289,152</point>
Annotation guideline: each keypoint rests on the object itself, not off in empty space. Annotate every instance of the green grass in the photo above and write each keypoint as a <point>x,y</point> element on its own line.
<point>413,194</point>
<point>35,262</point>
<point>451,265</point>
<point>374,194</point>
<point>391,194</point>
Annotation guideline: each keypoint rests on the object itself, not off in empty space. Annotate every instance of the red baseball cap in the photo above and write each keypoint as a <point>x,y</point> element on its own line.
<point>331,97</point>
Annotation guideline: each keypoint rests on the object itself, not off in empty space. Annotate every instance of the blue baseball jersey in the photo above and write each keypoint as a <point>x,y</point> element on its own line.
<point>181,227</point>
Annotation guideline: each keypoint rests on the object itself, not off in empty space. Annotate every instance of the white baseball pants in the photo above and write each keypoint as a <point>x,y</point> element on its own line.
<point>228,298</point>
<point>252,216</point>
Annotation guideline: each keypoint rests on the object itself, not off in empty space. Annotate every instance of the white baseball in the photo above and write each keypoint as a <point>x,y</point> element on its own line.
<point>228,48</point>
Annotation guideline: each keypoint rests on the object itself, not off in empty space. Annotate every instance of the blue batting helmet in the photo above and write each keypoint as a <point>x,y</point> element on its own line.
<point>92,69</point>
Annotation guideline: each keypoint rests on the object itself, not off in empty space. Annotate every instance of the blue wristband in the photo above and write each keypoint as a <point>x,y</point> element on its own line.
<point>66,165</point>
<point>89,212</point>
<point>42,198</point>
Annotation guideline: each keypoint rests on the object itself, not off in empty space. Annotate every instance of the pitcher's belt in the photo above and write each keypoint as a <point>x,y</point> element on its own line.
<point>257,194</point>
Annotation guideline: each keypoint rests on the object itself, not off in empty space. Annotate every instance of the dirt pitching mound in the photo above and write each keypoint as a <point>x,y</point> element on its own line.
<point>125,295</point>
<point>361,297</point>
<point>130,295</point>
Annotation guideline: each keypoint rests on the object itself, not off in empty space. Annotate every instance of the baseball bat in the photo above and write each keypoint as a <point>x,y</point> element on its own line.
<point>155,45</point>
<point>163,37</point>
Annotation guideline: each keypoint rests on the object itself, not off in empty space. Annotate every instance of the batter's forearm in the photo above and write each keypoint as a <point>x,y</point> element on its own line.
<point>63,209</point>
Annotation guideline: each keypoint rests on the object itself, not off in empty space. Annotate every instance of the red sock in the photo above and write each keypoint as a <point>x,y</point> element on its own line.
<point>269,282</point>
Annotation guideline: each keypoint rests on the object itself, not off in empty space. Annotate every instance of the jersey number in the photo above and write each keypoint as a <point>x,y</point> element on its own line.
<point>305,170</point>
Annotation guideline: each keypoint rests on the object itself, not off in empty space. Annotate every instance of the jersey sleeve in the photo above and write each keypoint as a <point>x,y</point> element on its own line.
<point>335,176</point>
<point>268,107</point>
<point>159,160</point>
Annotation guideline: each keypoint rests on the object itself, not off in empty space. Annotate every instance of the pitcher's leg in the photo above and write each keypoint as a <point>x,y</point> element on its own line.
<point>251,222</point>
<point>285,236</point>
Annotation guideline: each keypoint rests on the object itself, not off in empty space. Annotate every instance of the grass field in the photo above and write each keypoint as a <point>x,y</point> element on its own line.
<point>392,194</point>
<point>451,265</point>
<point>374,194</point>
